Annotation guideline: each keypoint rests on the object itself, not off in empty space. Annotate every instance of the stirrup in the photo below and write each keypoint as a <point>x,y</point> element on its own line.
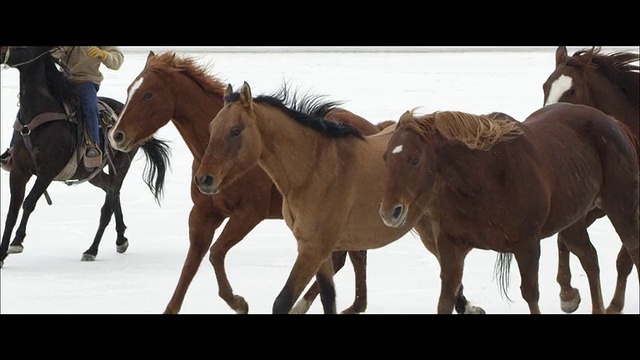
<point>92,162</point>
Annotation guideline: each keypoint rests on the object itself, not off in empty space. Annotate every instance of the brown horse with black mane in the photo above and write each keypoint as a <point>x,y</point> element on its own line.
<point>330,175</point>
<point>175,88</point>
<point>609,82</point>
<point>502,185</point>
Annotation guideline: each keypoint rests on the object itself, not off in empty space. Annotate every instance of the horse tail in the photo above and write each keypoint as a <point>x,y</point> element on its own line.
<point>157,163</point>
<point>501,271</point>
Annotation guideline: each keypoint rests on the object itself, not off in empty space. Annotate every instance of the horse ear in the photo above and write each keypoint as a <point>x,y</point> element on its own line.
<point>589,55</point>
<point>405,117</point>
<point>228,91</point>
<point>561,55</point>
<point>150,56</point>
<point>245,96</point>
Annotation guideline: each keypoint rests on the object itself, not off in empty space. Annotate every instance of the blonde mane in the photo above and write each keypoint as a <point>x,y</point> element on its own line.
<point>477,132</point>
<point>169,62</point>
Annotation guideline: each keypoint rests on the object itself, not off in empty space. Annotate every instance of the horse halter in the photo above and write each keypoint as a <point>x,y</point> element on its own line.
<point>7,53</point>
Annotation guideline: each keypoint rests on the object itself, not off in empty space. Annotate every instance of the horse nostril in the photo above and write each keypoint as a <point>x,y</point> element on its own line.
<point>206,180</point>
<point>118,137</point>
<point>397,211</point>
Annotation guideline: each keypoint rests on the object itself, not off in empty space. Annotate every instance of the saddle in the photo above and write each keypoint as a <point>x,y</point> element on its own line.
<point>106,120</point>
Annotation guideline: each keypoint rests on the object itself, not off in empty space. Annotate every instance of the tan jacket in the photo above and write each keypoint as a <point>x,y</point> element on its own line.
<point>83,67</point>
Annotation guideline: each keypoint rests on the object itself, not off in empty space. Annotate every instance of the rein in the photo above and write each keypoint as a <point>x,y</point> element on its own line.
<point>6,56</point>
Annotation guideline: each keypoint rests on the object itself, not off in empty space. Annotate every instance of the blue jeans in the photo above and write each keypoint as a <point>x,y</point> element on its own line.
<point>88,99</point>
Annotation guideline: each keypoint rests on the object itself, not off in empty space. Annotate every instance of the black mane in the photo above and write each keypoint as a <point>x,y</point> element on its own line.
<point>58,82</point>
<point>308,110</point>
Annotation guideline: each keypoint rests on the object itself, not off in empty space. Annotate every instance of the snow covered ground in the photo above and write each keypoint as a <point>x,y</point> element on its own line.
<point>49,278</point>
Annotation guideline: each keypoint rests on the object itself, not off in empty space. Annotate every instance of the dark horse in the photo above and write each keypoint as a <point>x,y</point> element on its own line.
<point>47,143</point>
<point>501,185</point>
<point>610,83</point>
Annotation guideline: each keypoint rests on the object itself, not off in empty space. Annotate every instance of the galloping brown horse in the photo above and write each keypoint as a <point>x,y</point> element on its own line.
<point>502,185</point>
<point>330,175</point>
<point>609,82</point>
<point>174,88</point>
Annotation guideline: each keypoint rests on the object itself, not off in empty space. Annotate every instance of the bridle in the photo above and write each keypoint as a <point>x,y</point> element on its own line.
<point>5,58</point>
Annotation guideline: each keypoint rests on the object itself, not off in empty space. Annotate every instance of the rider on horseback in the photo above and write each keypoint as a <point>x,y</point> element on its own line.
<point>83,63</point>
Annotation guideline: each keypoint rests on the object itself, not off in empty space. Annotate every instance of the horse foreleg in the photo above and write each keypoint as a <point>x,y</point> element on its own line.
<point>28,207</point>
<point>202,227</point>
<point>234,231</point>
<point>451,260</point>
<point>324,277</point>
<point>304,268</point>
<point>569,296</point>
<point>17,185</point>
<point>577,240</point>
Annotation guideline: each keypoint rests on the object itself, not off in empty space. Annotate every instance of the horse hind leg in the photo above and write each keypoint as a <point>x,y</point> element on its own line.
<point>569,296</point>
<point>627,227</point>
<point>528,259</point>
<point>359,261</point>
<point>624,265</point>
<point>111,203</point>
<point>577,240</point>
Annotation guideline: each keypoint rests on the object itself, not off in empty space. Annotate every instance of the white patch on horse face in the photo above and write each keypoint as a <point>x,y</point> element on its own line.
<point>397,149</point>
<point>134,87</point>
<point>559,87</point>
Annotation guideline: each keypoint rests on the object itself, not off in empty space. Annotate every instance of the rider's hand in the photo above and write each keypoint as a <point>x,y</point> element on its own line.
<point>94,51</point>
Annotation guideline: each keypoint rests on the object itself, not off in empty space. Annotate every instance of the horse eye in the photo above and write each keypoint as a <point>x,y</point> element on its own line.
<point>414,161</point>
<point>571,91</point>
<point>236,131</point>
<point>147,96</point>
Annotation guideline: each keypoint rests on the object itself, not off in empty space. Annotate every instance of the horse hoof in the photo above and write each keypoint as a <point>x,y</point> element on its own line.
<point>122,248</point>
<point>610,310</point>
<point>475,310</point>
<point>239,305</point>
<point>301,307</point>
<point>570,305</point>
<point>15,249</point>
<point>88,257</point>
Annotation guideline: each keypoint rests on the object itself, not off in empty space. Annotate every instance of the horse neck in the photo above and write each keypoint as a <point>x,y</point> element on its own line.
<point>194,110</point>
<point>291,152</point>
<point>35,96</point>
<point>609,99</point>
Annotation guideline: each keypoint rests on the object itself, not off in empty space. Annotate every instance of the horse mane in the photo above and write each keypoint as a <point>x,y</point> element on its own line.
<point>479,132</point>
<point>615,66</point>
<point>169,62</point>
<point>58,82</point>
<point>307,109</point>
